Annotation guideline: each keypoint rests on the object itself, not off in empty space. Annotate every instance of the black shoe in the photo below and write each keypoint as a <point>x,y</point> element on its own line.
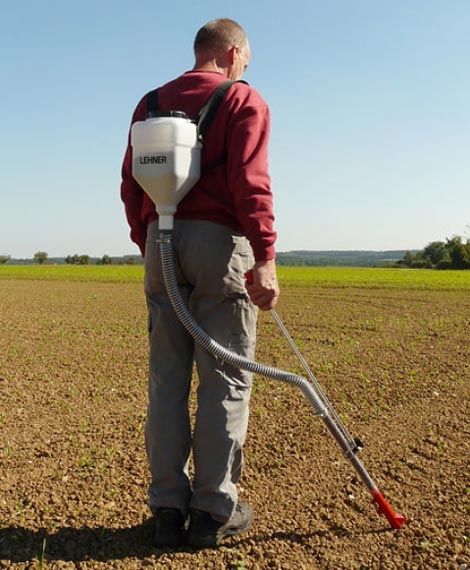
<point>169,525</point>
<point>205,532</point>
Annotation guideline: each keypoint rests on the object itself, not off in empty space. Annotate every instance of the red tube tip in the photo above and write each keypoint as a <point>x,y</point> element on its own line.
<point>383,508</point>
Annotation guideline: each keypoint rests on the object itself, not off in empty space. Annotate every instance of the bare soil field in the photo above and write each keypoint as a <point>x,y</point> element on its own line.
<point>73,472</point>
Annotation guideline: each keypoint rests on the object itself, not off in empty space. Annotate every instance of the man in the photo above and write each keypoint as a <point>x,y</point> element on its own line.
<point>223,228</point>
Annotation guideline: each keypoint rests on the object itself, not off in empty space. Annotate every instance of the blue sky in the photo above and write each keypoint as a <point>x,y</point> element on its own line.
<point>370,116</point>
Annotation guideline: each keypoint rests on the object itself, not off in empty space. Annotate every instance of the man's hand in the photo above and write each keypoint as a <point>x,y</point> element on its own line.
<point>262,286</point>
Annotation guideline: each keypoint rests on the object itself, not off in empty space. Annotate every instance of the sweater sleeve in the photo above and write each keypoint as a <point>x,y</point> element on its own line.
<point>248,175</point>
<point>132,194</point>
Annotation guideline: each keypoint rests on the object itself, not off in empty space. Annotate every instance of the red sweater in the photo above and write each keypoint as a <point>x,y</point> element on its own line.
<point>237,193</point>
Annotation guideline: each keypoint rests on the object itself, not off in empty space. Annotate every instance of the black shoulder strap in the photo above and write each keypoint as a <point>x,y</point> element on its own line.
<point>152,103</point>
<point>207,113</point>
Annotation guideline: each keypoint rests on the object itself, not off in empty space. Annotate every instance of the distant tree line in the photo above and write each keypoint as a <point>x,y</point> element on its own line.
<point>454,253</point>
<point>42,257</point>
<point>77,259</point>
<point>451,254</point>
<point>105,260</point>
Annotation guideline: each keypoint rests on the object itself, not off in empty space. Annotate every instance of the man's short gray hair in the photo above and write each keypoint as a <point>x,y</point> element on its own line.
<point>218,35</point>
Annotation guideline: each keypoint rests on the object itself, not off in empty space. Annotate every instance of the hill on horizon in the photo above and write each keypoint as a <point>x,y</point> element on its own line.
<point>309,258</point>
<point>346,258</point>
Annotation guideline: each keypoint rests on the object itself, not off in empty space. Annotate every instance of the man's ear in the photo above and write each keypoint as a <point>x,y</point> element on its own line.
<point>232,53</point>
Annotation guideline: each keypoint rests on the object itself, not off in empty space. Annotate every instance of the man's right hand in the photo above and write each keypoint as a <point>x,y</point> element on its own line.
<point>262,285</point>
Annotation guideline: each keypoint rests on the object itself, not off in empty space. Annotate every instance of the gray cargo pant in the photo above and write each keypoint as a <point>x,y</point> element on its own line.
<point>210,262</point>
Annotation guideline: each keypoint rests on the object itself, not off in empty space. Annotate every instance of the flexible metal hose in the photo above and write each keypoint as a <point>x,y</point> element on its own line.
<point>213,347</point>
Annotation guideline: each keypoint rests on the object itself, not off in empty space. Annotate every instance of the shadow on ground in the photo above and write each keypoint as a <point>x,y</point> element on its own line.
<point>74,544</point>
<point>102,544</point>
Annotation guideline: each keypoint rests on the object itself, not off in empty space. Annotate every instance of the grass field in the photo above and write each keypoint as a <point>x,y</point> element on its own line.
<point>288,276</point>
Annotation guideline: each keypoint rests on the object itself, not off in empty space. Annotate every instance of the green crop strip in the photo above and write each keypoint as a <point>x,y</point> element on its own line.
<point>342,277</point>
